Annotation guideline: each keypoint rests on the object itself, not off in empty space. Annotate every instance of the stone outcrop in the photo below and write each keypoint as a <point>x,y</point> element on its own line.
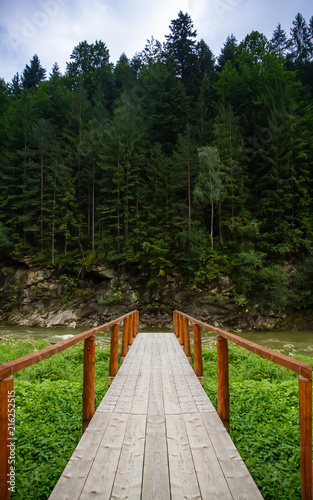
<point>36,297</point>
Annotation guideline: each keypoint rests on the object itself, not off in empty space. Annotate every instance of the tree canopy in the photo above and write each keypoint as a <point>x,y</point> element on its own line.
<point>147,162</point>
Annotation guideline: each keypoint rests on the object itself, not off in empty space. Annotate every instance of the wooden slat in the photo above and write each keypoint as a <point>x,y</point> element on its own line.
<point>213,484</point>
<point>128,479</point>
<point>184,483</point>
<point>156,484</point>
<point>236,473</point>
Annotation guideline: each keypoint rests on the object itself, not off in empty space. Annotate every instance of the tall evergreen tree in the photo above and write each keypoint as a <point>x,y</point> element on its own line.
<point>228,52</point>
<point>280,41</point>
<point>33,74</point>
<point>181,46</point>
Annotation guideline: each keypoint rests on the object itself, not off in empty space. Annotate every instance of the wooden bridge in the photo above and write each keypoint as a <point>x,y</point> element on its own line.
<point>156,435</point>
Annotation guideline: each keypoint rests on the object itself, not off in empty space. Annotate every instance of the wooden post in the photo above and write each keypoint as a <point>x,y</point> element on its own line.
<point>7,430</point>
<point>136,323</point>
<point>89,381</point>
<point>134,315</point>
<point>115,331</point>
<point>222,381</point>
<point>130,330</point>
<point>125,338</point>
<point>187,339</point>
<point>181,329</point>
<point>305,413</point>
<point>197,352</point>
<point>175,325</point>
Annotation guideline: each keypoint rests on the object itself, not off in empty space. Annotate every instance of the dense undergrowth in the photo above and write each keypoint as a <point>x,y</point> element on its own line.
<point>264,416</point>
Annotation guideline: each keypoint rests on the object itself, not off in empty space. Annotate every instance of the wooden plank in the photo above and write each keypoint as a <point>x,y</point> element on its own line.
<point>128,479</point>
<point>241,483</point>
<point>200,397</point>
<point>171,402</point>
<point>72,480</point>
<point>186,401</point>
<point>212,482</point>
<point>183,479</point>
<point>156,398</point>
<point>156,484</point>
<point>141,394</point>
<point>125,402</point>
<point>101,476</point>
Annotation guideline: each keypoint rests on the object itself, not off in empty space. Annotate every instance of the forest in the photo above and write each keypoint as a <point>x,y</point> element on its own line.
<point>173,161</point>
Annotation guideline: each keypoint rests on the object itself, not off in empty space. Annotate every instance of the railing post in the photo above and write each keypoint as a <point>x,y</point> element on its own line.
<point>197,352</point>
<point>114,352</point>
<point>305,412</point>
<point>136,323</point>
<point>175,325</point>
<point>7,427</point>
<point>181,329</point>
<point>89,381</point>
<point>125,338</point>
<point>130,330</point>
<point>222,381</point>
<point>187,339</point>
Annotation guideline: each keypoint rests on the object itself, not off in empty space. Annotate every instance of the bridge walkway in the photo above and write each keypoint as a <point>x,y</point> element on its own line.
<point>156,435</point>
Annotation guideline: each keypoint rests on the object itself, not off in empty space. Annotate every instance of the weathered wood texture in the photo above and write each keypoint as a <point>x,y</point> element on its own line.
<point>156,435</point>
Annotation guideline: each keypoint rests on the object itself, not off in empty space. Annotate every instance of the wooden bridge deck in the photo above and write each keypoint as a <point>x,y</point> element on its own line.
<point>156,435</point>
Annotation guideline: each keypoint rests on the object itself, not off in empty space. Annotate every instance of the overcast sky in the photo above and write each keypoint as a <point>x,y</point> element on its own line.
<point>52,28</point>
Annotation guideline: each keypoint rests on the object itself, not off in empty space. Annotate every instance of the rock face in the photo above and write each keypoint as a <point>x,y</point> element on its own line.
<point>36,297</point>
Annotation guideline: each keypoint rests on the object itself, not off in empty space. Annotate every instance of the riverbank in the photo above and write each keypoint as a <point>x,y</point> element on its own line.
<point>46,298</point>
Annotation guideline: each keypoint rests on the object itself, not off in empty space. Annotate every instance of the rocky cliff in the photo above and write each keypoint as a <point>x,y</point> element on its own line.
<point>44,297</point>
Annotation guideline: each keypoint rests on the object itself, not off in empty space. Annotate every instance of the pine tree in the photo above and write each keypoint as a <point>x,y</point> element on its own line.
<point>300,42</point>
<point>33,74</point>
<point>280,41</point>
<point>181,46</point>
<point>228,52</point>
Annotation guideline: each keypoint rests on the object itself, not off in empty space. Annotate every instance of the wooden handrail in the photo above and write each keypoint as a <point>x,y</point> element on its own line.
<point>299,367</point>
<point>130,329</point>
<point>292,364</point>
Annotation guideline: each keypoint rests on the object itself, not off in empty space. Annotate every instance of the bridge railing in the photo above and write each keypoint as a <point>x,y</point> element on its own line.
<point>304,370</point>
<point>130,329</point>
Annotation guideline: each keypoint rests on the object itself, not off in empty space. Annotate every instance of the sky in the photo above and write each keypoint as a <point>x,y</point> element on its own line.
<point>52,28</point>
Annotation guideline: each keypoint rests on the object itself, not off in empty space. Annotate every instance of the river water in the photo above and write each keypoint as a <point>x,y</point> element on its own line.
<point>288,342</point>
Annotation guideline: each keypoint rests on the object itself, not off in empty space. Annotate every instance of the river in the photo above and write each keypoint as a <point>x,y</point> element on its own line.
<point>288,342</point>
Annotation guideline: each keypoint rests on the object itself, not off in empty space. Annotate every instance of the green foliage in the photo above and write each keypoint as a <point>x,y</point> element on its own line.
<point>48,398</point>
<point>103,159</point>
<point>264,419</point>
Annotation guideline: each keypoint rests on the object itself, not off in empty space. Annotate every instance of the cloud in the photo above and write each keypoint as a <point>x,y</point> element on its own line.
<point>52,28</point>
